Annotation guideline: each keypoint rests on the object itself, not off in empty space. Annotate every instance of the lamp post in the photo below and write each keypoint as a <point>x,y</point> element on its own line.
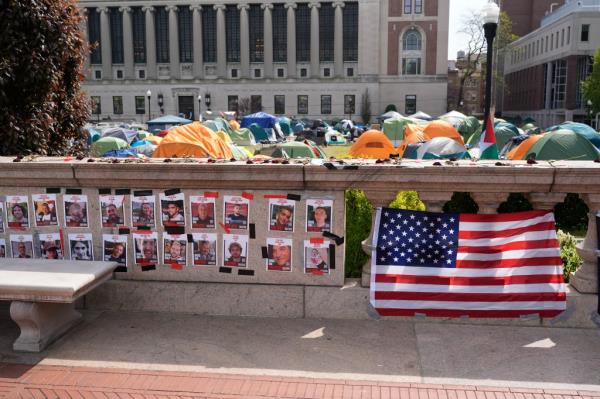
<point>149,95</point>
<point>199,108</point>
<point>207,101</point>
<point>491,13</point>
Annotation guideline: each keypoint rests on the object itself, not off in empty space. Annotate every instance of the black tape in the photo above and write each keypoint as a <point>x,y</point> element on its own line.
<point>53,190</point>
<point>394,156</point>
<point>175,229</point>
<point>352,167</point>
<point>338,240</point>
<point>190,238</point>
<point>172,191</point>
<point>147,268</point>
<point>329,166</point>
<point>122,191</point>
<point>73,191</point>
<point>124,230</point>
<point>294,197</point>
<point>225,269</point>
<point>104,191</point>
<point>332,256</point>
<point>252,230</point>
<point>245,272</point>
<point>145,228</point>
<point>142,193</point>
<point>265,252</point>
<point>121,269</point>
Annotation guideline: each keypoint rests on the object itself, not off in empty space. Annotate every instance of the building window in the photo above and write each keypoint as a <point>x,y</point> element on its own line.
<point>302,33</point>
<point>408,6</point>
<point>98,74</point>
<point>349,104</point>
<point>303,72</point>
<point>279,105</point>
<point>255,104</point>
<point>96,105</point>
<point>303,104</point>
<point>161,21</point>
<point>257,73</point>
<point>559,84</point>
<point>232,26</point>
<point>411,40</point>
<point>556,45</point>
<point>140,105</point>
<point>232,103</point>
<point>326,32</point>
<point>546,48</point>
<point>257,33</point>
<point>279,18</point>
<point>94,36</point>
<point>585,33</point>
<point>350,72</point>
<point>116,35</point>
<point>186,52</point>
<point>568,35</point>
<point>552,42</point>
<point>410,104</point>
<point>119,74</point>
<point>209,34</point>
<point>350,29</point>
<point>234,73</point>
<point>411,66</point>
<point>142,74</point>
<point>280,72</point>
<point>138,21</point>
<point>117,105</point>
<point>418,6</point>
<point>326,72</point>
<point>562,38</point>
<point>584,69</point>
<point>325,104</point>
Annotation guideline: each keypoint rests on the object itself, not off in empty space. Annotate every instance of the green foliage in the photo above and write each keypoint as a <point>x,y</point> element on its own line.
<point>461,203</point>
<point>408,200</point>
<point>358,226</point>
<point>568,253</point>
<point>42,51</point>
<point>571,215</point>
<point>590,87</point>
<point>390,107</point>
<point>516,202</point>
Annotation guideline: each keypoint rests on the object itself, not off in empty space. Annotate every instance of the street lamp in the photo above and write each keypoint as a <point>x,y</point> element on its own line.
<point>199,108</point>
<point>149,95</point>
<point>491,13</point>
<point>207,100</point>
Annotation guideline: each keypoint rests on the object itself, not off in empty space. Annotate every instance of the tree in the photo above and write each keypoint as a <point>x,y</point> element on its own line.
<point>42,52</point>
<point>590,87</point>
<point>390,107</point>
<point>365,109</point>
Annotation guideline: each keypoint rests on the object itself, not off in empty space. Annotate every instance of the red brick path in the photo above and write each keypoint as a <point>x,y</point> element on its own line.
<point>20,381</point>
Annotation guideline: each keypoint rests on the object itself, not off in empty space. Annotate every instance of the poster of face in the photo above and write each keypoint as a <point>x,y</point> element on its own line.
<point>17,211</point>
<point>21,245</point>
<point>142,211</point>
<point>146,248</point>
<point>76,210</point>
<point>280,254</point>
<point>1,217</point>
<point>115,248</point>
<point>316,257</point>
<point>236,211</point>
<point>235,250</point>
<point>112,211</point>
<point>50,246</point>
<point>174,246</point>
<point>281,214</point>
<point>81,246</point>
<point>318,214</point>
<point>2,248</point>
<point>172,210</point>
<point>44,206</point>
<point>203,212</point>
<point>205,249</point>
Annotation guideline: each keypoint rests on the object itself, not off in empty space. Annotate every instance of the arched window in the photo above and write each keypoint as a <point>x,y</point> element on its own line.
<point>411,40</point>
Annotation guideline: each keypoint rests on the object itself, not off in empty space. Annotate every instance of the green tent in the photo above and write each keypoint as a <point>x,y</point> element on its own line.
<point>563,145</point>
<point>212,125</point>
<point>504,132</point>
<point>286,125</point>
<point>106,144</point>
<point>242,136</point>
<point>294,149</point>
<point>581,129</point>
<point>142,134</point>
<point>223,125</point>
<point>469,127</point>
<point>394,129</point>
<point>238,152</point>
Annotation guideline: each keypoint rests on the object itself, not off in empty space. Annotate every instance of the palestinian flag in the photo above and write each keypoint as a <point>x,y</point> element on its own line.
<point>487,143</point>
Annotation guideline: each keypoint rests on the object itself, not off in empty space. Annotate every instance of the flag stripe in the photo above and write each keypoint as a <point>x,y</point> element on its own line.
<point>449,272</point>
<point>516,254</point>
<point>505,217</point>
<point>469,313</point>
<point>470,297</point>
<point>517,305</point>
<point>505,233</point>
<point>491,242</point>
<point>485,264</point>
<point>491,249</point>
<point>483,289</point>
<point>408,279</point>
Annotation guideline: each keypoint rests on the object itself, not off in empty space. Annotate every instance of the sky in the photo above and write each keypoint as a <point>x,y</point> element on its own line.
<point>458,9</point>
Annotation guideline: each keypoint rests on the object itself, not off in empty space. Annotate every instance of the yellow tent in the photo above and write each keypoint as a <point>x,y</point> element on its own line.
<point>154,139</point>
<point>234,125</point>
<point>192,140</point>
<point>224,136</point>
<point>372,144</point>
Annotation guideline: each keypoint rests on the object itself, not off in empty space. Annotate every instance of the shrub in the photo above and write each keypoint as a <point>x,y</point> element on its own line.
<point>516,202</point>
<point>358,226</point>
<point>568,253</point>
<point>461,203</point>
<point>571,215</point>
<point>408,200</point>
<point>390,107</point>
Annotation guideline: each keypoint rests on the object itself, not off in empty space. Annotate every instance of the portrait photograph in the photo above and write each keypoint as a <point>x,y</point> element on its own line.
<point>143,211</point>
<point>205,249</point>
<point>114,248</point>
<point>2,248</point>
<point>236,210</point>
<point>316,257</point>
<point>280,254</point>
<point>172,210</point>
<point>112,210</point>
<point>174,249</point>
<point>76,210</point>
<point>281,214</point>
<point>235,250</point>
<point>21,246</point>
<point>17,211</point>
<point>2,217</point>
<point>81,246</point>
<point>50,246</point>
<point>146,248</point>
<point>202,210</point>
<point>44,206</point>
<point>318,215</point>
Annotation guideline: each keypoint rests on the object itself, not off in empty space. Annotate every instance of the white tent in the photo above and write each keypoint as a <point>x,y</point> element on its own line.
<point>421,115</point>
<point>391,115</point>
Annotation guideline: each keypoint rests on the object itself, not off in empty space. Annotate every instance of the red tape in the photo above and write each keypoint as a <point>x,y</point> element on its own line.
<point>225,227</point>
<point>316,272</point>
<point>275,196</point>
<point>176,266</point>
<point>143,232</point>
<point>211,194</point>
<point>248,196</point>
<point>317,240</point>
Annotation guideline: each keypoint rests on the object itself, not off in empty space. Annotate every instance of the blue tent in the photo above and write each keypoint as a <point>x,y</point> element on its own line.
<point>121,154</point>
<point>262,119</point>
<point>261,134</point>
<point>164,122</point>
<point>128,135</point>
<point>581,129</point>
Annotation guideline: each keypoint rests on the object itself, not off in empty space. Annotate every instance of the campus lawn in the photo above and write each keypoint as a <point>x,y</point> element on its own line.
<point>338,151</point>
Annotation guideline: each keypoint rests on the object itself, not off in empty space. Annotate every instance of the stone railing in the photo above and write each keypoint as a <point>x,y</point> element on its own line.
<point>545,184</point>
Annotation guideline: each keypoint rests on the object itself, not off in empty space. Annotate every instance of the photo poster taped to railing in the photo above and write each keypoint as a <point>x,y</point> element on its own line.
<point>236,210</point>
<point>81,246</point>
<point>279,254</point>
<point>316,257</point>
<point>235,250</point>
<point>143,211</point>
<point>319,215</point>
<point>76,210</point>
<point>112,210</point>
<point>174,249</point>
<point>204,249</point>
<point>17,212</point>
<point>50,246</point>
<point>202,210</point>
<point>21,246</point>
<point>146,248</point>
<point>172,210</point>
<point>281,214</point>
<point>2,248</point>
<point>45,210</point>
<point>114,248</point>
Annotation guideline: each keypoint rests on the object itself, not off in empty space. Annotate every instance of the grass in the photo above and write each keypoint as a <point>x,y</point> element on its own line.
<point>338,151</point>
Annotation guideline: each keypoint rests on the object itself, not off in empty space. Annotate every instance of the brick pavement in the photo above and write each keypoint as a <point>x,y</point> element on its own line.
<point>22,381</point>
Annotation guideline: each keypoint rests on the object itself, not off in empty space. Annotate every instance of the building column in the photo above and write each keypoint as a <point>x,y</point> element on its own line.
<point>268,43</point>
<point>314,40</point>
<point>221,41</point>
<point>339,39</point>
<point>105,43</point>
<point>174,68</point>
<point>244,41</point>
<point>150,43</point>
<point>127,42</point>
<point>83,25</point>
<point>291,39</point>
<point>197,41</point>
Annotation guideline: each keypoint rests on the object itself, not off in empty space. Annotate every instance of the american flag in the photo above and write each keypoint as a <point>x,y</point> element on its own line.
<point>453,265</point>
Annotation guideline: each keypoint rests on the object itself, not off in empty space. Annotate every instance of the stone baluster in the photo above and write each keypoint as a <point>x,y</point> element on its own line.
<point>339,39</point>
<point>291,39</point>
<point>244,41</point>
<point>434,201</point>
<point>221,41</point>
<point>585,279</point>
<point>127,42</point>
<point>545,201</point>
<point>197,41</point>
<point>105,43</point>
<point>489,202</point>
<point>174,67</point>
<point>150,43</point>
<point>315,71</point>
<point>268,40</point>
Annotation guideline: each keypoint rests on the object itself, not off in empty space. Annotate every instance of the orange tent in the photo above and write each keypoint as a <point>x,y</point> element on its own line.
<point>234,125</point>
<point>192,140</point>
<point>441,128</point>
<point>519,152</point>
<point>372,144</point>
<point>154,139</point>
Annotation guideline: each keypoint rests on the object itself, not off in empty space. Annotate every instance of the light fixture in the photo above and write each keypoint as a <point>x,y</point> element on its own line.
<point>491,13</point>
<point>148,94</point>
<point>207,99</point>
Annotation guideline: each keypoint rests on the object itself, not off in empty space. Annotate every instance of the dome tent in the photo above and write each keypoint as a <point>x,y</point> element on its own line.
<point>394,129</point>
<point>580,128</point>
<point>563,145</point>
<point>120,133</point>
<point>105,144</point>
<point>192,140</point>
<point>440,128</point>
<point>294,149</point>
<point>262,119</point>
<point>436,148</point>
<point>242,137</point>
<point>468,127</point>
<point>372,144</point>
<point>519,152</point>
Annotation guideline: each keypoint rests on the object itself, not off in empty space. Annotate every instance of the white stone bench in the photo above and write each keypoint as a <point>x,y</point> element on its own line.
<point>43,293</point>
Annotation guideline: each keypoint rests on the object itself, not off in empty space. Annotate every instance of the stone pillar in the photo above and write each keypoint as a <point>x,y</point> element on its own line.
<point>197,40</point>
<point>83,26</point>
<point>434,201</point>
<point>150,43</point>
<point>585,279</point>
<point>489,202</point>
<point>105,43</point>
<point>339,39</point>
<point>545,201</point>
<point>174,67</point>
<point>315,71</point>
<point>268,40</point>
<point>127,42</point>
<point>221,41</point>
<point>244,41</point>
<point>291,39</point>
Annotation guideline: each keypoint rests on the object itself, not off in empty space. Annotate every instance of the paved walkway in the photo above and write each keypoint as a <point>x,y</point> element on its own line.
<point>20,381</point>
